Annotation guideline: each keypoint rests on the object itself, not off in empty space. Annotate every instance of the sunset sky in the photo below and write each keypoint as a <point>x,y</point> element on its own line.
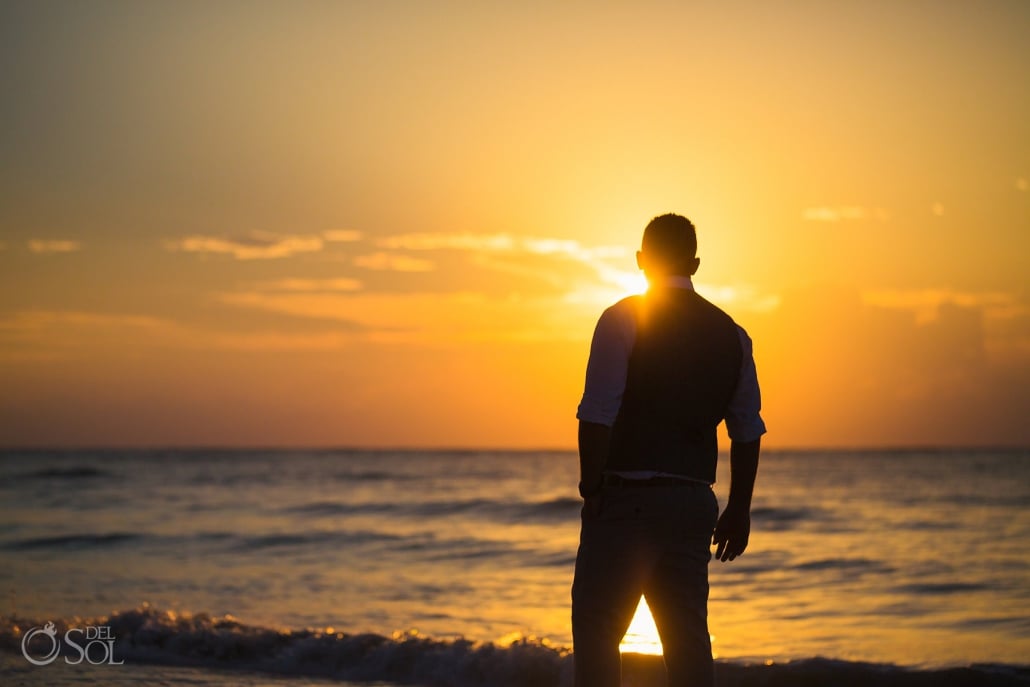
<point>395,223</point>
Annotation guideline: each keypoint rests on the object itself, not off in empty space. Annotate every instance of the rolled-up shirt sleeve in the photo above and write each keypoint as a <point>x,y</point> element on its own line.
<point>743,416</point>
<point>607,365</point>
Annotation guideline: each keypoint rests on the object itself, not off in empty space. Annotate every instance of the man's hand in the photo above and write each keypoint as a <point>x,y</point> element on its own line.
<point>732,532</point>
<point>734,526</point>
<point>593,454</point>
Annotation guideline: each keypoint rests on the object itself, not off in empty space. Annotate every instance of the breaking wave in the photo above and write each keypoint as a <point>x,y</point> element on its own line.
<point>148,635</point>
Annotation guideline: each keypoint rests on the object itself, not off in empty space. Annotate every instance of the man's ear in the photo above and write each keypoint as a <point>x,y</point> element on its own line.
<point>694,264</point>
<point>640,259</point>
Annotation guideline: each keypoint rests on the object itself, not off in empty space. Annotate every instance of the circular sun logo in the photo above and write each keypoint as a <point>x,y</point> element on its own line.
<point>49,631</point>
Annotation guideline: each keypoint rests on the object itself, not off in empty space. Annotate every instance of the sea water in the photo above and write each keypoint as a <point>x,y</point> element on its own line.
<point>454,567</point>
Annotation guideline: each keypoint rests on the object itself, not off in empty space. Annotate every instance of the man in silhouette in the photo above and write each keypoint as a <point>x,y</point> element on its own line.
<point>665,369</point>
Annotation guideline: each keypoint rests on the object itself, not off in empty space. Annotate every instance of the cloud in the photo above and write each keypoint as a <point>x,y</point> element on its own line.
<point>463,316</point>
<point>37,319</point>
<point>302,285</point>
<point>394,262</point>
<point>958,376</point>
<point>740,297</point>
<point>47,335</point>
<point>931,299</point>
<point>279,341</point>
<point>43,335</point>
<point>593,257</point>
<point>342,235</point>
<point>519,269</point>
<point>41,246</point>
<point>1005,316</point>
<point>574,249</point>
<point>465,241</point>
<point>844,213</point>
<point>502,243</point>
<point>256,246</point>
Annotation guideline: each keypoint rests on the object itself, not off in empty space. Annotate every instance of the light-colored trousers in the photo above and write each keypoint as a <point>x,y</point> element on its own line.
<point>653,541</point>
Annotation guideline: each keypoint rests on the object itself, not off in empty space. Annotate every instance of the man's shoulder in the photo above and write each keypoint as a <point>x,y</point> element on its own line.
<point>712,309</point>
<point>724,320</point>
<point>620,318</point>
<point>625,307</point>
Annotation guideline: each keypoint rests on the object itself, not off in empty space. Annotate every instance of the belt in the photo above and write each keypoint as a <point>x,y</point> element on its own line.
<point>617,481</point>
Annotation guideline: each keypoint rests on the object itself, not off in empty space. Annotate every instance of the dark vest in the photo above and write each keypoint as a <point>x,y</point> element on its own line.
<point>682,373</point>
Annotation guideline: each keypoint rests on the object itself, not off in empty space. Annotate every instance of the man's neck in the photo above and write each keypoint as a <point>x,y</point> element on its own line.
<point>676,281</point>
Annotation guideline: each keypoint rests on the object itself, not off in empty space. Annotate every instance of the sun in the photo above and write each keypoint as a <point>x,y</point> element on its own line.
<point>631,282</point>
<point>642,635</point>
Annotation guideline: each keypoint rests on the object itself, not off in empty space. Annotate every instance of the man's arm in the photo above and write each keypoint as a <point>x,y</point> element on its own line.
<point>594,441</point>
<point>602,393</point>
<point>734,526</point>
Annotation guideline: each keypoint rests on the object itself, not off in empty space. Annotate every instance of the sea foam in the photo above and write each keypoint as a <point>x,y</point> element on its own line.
<point>148,635</point>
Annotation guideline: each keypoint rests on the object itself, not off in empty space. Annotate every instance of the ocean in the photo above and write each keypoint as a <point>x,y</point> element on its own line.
<point>352,567</point>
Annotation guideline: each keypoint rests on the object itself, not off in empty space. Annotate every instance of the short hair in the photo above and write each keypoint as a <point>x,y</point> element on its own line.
<point>672,240</point>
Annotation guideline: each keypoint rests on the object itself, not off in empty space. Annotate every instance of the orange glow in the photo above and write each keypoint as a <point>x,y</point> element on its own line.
<point>642,635</point>
<point>356,214</point>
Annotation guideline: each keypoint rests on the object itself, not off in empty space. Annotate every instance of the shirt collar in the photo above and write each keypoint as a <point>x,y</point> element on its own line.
<point>676,281</point>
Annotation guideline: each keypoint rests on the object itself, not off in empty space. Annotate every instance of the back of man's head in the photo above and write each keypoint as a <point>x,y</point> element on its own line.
<point>670,242</point>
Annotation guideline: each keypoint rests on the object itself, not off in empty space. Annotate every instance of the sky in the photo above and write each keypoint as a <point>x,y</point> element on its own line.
<point>395,224</point>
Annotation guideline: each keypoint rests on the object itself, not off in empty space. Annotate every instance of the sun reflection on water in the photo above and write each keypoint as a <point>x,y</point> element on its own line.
<point>642,635</point>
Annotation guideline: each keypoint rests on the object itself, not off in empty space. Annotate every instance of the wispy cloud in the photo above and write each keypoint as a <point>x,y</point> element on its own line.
<point>42,335</point>
<point>595,258</point>
<point>279,341</point>
<point>574,249</point>
<point>519,269</point>
<point>394,262</point>
<point>301,285</point>
<point>255,246</point>
<point>502,243</point>
<point>428,317</point>
<point>44,246</point>
<point>342,235</point>
<point>46,335</point>
<point>464,241</point>
<point>844,213</point>
<point>484,245</point>
<point>740,297</point>
<point>36,319</point>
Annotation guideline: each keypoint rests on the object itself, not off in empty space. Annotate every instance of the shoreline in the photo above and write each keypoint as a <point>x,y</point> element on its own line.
<point>223,649</point>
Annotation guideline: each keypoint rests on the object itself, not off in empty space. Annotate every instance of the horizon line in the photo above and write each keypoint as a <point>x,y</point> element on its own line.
<point>330,448</point>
